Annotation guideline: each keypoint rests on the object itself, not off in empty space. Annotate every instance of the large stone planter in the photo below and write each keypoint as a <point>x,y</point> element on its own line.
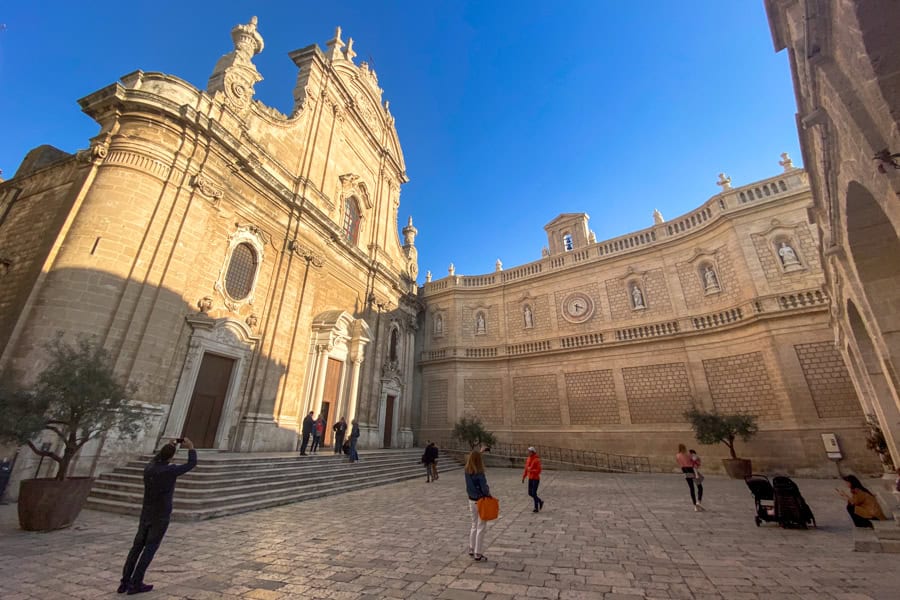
<point>48,504</point>
<point>738,468</point>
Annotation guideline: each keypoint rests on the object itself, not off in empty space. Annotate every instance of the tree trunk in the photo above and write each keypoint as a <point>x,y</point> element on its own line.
<point>730,443</point>
<point>63,468</point>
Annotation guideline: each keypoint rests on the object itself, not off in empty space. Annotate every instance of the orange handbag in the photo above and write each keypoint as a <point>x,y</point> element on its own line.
<point>488,508</point>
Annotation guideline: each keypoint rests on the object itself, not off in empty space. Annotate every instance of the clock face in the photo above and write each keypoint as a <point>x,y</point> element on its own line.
<point>577,307</point>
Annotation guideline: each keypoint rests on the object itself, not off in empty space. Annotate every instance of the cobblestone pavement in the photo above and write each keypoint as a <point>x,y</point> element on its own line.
<point>599,536</point>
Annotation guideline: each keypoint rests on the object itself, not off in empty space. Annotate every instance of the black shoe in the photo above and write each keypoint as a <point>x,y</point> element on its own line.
<point>139,588</point>
<point>123,587</point>
<point>303,454</point>
<point>541,505</point>
<point>535,510</point>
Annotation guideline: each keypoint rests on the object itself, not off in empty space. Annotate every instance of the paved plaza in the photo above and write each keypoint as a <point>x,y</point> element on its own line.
<point>599,536</point>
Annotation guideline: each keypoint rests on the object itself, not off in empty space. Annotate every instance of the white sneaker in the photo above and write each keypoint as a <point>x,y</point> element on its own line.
<point>698,507</point>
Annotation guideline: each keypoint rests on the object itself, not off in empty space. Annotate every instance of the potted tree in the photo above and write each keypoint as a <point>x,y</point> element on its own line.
<point>876,442</point>
<point>469,430</point>
<point>713,428</point>
<point>76,398</point>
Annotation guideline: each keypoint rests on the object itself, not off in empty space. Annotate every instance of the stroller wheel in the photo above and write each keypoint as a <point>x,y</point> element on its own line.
<point>758,521</point>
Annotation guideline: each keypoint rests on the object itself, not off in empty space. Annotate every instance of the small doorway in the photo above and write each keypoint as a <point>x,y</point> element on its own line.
<point>330,396</point>
<point>207,401</point>
<point>388,421</point>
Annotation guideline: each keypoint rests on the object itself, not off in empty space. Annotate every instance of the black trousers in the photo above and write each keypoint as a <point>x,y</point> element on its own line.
<point>858,520</point>
<point>338,442</point>
<point>304,444</point>
<point>317,441</point>
<point>532,491</point>
<point>689,476</point>
<point>149,536</point>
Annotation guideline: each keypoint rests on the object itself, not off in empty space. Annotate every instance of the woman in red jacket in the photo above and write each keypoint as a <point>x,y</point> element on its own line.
<point>533,475</point>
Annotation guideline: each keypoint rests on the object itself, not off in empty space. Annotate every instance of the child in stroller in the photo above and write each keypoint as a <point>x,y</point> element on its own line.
<point>779,501</point>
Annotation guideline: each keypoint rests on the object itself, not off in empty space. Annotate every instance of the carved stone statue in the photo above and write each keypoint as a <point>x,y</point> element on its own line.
<point>657,217</point>
<point>786,162</point>
<point>545,252</point>
<point>498,266</point>
<point>709,277</point>
<point>479,323</point>
<point>637,297</point>
<point>529,316</point>
<point>787,255</point>
<point>438,324</point>
<point>427,276</point>
<point>451,270</point>
<point>724,182</point>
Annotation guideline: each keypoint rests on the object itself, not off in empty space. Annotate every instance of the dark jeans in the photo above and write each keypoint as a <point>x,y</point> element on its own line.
<point>689,476</point>
<point>317,441</point>
<point>149,536</point>
<point>354,455</point>
<point>304,444</point>
<point>858,520</point>
<point>338,442</point>
<point>532,491</point>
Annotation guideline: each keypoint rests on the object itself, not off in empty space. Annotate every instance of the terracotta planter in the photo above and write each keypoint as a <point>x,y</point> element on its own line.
<point>48,504</point>
<point>738,468</point>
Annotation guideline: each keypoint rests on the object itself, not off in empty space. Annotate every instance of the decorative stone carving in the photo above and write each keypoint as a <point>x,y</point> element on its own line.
<point>306,253</point>
<point>710,280</point>
<point>786,162</point>
<point>451,270</point>
<point>529,317</point>
<point>235,74</point>
<point>480,327</point>
<point>427,276</point>
<point>205,304</point>
<point>577,307</point>
<point>252,321</point>
<point>244,234</point>
<point>637,297</point>
<point>498,266</point>
<point>545,252</point>
<point>205,186</point>
<point>438,324</point>
<point>789,260</point>
<point>724,182</point>
<point>657,217</point>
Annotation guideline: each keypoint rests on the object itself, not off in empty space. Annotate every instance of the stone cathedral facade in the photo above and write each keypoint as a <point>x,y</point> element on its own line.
<point>243,266</point>
<point>604,345</point>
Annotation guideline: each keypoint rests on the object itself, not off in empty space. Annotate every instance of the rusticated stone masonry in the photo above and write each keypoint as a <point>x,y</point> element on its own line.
<point>536,400</point>
<point>592,398</point>
<point>437,402</point>
<point>828,380</point>
<point>658,393</point>
<point>741,384</point>
<point>483,398</point>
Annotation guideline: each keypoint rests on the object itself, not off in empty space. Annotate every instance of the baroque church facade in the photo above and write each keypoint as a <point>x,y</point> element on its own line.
<point>242,266</point>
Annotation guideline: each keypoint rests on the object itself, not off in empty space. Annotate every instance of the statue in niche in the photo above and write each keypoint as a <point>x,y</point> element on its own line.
<point>529,317</point>
<point>479,323</point>
<point>710,279</point>
<point>787,255</point>
<point>438,325</point>
<point>637,297</point>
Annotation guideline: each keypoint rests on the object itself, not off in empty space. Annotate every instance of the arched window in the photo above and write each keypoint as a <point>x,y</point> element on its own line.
<point>567,242</point>
<point>351,220</point>
<point>393,347</point>
<point>241,272</point>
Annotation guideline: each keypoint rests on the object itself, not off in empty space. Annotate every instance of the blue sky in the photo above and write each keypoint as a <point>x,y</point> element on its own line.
<point>508,113</point>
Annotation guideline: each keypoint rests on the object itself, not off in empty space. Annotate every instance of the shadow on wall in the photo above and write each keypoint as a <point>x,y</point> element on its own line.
<point>202,374</point>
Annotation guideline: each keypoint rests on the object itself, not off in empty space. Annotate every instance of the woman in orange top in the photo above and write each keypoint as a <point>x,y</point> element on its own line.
<point>861,503</point>
<point>533,475</point>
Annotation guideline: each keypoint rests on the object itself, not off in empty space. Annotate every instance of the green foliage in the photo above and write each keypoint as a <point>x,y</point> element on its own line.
<point>876,441</point>
<point>472,432</point>
<point>77,397</point>
<point>713,428</point>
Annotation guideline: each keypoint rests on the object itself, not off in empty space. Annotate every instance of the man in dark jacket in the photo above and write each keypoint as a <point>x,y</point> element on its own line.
<point>159,486</point>
<point>308,425</point>
<point>354,437</point>
<point>340,430</point>
<point>429,459</point>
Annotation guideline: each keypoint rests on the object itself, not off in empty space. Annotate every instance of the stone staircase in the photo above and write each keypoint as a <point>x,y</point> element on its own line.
<point>227,483</point>
<point>885,537</point>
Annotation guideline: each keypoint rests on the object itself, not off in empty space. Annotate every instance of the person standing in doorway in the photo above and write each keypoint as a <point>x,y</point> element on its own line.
<point>318,433</point>
<point>340,430</point>
<point>159,487</point>
<point>684,460</point>
<point>309,425</point>
<point>354,438</point>
<point>533,475</point>
<point>476,488</point>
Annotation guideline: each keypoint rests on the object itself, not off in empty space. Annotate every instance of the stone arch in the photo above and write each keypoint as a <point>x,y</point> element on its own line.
<point>884,399</point>
<point>875,251</point>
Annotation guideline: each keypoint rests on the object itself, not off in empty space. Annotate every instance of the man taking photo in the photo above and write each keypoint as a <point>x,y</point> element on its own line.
<point>159,486</point>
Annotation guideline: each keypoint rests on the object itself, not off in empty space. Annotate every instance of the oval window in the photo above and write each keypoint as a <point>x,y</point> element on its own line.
<point>241,271</point>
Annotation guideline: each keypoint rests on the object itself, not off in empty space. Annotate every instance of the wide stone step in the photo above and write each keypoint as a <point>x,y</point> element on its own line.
<point>245,504</point>
<point>206,465</point>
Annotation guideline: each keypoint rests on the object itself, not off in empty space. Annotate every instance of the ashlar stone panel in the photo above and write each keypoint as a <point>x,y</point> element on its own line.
<point>483,398</point>
<point>516,329</point>
<point>656,296</point>
<point>536,400</point>
<point>741,384</point>
<point>828,380</point>
<point>801,238</point>
<point>592,398</point>
<point>658,393</point>
<point>693,285</point>
<point>438,394</point>
<point>469,323</point>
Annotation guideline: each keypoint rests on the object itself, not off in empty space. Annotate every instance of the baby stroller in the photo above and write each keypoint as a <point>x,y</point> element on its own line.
<point>781,502</point>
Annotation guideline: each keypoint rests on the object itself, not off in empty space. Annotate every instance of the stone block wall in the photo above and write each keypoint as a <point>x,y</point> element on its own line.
<point>656,296</point>
<point>592,398</point>
<point>828,380</point>
<point>693,285</point>
<point>516,331</point>
<point>658,393</point>
<point>741,384</point>
<point>436,403</point>
<point>536,400</point>
<point>484,398</point>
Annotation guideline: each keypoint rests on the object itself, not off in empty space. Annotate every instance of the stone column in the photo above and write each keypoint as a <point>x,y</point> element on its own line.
<point>354,390</point>
<point>321,370</point>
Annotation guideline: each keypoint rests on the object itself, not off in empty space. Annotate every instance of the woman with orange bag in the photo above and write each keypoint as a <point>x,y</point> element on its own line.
<point>533,475</point>
<point>476,488</point>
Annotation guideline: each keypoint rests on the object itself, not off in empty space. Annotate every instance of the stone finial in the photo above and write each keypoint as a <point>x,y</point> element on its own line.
<point>592,237</point>
<point>724,182</point>
<point>657,217</point>
<point>427,276</point>
<point>409,233</point>
<point>498,266</point>
<point>786,162</point>
<point>234,73</point>
<point>451,270</point>
<point>545,252</point>
<point>334,46</point>
<point>349,54</point>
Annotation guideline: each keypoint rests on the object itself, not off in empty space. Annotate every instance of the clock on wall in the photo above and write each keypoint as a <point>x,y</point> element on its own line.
<point>577,307</point>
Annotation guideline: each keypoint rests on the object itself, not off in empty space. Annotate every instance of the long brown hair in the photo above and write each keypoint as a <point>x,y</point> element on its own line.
<point>682,448</point>
<point>474,463</point>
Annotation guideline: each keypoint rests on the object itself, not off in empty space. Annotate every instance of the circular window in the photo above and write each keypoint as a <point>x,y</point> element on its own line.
<point>241,271</point>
